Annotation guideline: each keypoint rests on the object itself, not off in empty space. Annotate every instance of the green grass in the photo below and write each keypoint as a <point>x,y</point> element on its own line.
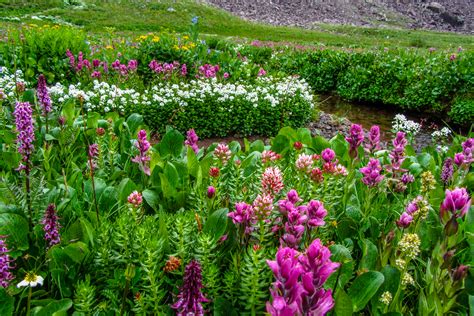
<point>153,16</point>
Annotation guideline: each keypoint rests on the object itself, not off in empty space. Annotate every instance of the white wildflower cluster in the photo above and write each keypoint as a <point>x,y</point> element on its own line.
<point>402,124</point>
<point>8,83</point>
<point>440,138</point>
<point>407,279</point>
<point>104,97</point>
<point>386,298</point>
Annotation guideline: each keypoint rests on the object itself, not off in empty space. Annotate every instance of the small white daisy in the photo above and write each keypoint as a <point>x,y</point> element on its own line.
<point>31,279</point>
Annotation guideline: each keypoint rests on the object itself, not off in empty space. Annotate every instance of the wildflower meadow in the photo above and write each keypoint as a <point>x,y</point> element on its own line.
<point>110,204</point>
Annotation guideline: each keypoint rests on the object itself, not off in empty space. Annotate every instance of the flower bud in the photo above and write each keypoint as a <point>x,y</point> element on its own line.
<point>211,192</point>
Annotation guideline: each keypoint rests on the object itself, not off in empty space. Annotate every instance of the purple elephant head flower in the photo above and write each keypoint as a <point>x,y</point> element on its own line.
<point>190,298</point>
<point>43,95</point>
<point>5,264</point>
<point>51,226</point>
<point>447,171</point>
<point>26,133</point>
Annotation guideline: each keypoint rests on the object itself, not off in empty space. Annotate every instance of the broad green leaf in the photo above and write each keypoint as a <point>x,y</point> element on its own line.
<point>55,308</point>
<point>133,122</point>
<point>76,251</point>
<point>125,187</point>
<point>257,145</point>
<point>343,304</point>
<point>304,136</point>
<point>280,144</point>
<point>320,143</point>
<point>342,254</point>
<point>171,174</point>
<point>216,224</point>
<point>192,162</point>
<point>369,255</point>
<point>151,198</point>
<point>289,133</point>
<point>171,144</point>
<point>16,228</point>
<point>6,303</point>
<point>363,288</point>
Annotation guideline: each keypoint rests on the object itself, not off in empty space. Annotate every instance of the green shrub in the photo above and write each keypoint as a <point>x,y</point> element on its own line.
<point>462,111</point>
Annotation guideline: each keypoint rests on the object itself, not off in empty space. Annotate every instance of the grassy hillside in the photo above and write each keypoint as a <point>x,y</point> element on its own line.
<point>152,16</point>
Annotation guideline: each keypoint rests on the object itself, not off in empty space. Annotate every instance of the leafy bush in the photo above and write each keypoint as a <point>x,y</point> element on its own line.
<point>211,107</point>
<point>462,111</point>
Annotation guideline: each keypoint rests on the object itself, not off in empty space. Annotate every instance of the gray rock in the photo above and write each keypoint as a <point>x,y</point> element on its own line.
<point>452,19</point>
<point>435,7</point>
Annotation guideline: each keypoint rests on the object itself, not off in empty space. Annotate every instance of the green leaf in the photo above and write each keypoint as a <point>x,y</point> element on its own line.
<point>171,174</point>
<point>192,162</point>
<point>133,122</point>
<point>216,224</point>
<point>342,254</point>
<point>369,255</point>
<point>16,228</point>
<point>171,144</point>
<point>6,303</point>
<point>304,136</point>
<point>343,304</point>
<point>339,145</point>
<point>151,198</point>
<point>126,187</point>
<point>77,251</point>
<point>320,143</point>
<point>364,287</point>
<point>257,145</point>
<point>280,144</point>
<point>100,186</point>
<point>289,133</point>
<point>55,308</point>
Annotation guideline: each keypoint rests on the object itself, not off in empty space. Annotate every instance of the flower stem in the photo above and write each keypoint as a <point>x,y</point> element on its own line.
<point>93,189</point>
<point>30,292</point>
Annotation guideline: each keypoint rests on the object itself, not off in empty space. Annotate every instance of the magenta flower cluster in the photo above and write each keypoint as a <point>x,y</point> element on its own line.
<point>143,158</point>
<point>190,298</point>
<point>372,173</point>
<point>135,199</point>
<point>98,67</point>
<point>397,155</point>
<point>192,140</point>
<point>167,70</point>
<point>465,158</point>
<point>298,217</point>
<point>407,217</point>
<point>373,139</point>
<point>298,289</point>
<point>447,170</point>
<point>26,135</point>
<point>43,95</point>
<point>456,204</point>
<point>355,138</point>
<point>125,69</point>
<point>269,156</point>
<point>272,181</point>
<point>208,71</point>
<point>51,226</point>
<point>5,264</point>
